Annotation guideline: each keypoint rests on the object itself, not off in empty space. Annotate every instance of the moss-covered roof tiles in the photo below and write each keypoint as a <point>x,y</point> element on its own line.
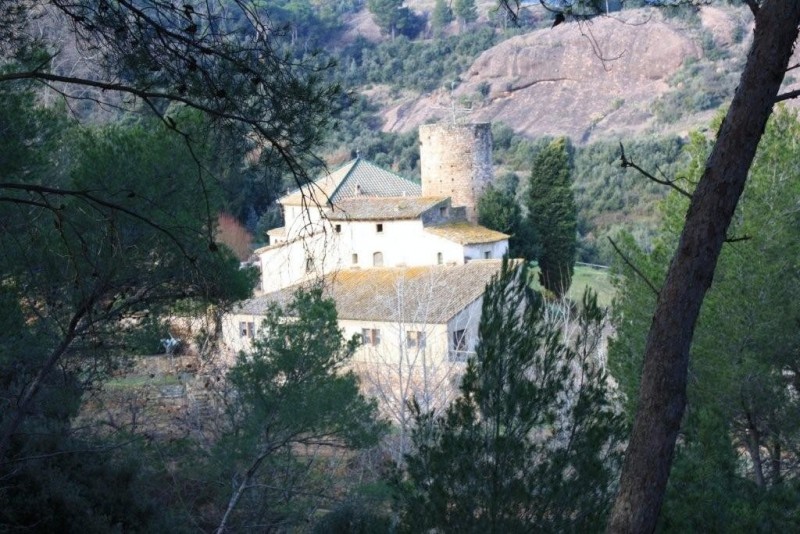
<point>427,295</point>
<point>356,178</point>
<point>465,233</point>
<point>370,208</point>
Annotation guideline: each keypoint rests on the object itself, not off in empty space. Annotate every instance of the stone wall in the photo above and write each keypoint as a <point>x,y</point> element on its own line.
<point>456,162</point>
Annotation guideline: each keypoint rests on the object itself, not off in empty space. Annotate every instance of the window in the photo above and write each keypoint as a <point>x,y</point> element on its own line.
<point>355,259</point>
<point>338,228</point>
<point>487,254</point>
<point>377,259</point>
<point>443,211</point>
<point>415,339</point>
<point>371,336</point>
<point>247,329</point>
<point>439,258</point>
<point>459,351</point>
<point>379,228</point>
<point>309,264</point>
<point>460,340</point>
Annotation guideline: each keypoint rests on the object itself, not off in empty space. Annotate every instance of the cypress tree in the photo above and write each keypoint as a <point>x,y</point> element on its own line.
<point>552,215</point>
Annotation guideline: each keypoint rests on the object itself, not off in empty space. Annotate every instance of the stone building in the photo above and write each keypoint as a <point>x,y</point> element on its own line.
<point>406,263</point>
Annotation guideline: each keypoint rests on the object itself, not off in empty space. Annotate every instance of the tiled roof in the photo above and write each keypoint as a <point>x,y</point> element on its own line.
<point>346,182</point>
<point>465,233</point>
<point>428,295</point>
<point>371,208</point>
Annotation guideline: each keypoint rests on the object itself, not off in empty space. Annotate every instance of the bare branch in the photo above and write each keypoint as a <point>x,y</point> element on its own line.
<point>625,163</point>
<point>635,269</point>
<point>738,239</point>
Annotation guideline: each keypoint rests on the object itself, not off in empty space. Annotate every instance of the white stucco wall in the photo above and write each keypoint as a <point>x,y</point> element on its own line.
<point>300,220</point>
<point>393,345</point>
<point>231,333</point>
<point>496,250</point>
<point>402,243</point>
<point>468,320</point>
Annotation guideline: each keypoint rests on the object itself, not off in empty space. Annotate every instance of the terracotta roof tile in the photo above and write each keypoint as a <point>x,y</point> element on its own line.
<point>431,294</point>
<point>371,208</point>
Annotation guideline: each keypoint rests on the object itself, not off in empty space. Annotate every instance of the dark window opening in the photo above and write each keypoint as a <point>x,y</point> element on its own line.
<point>247,329</point>
<point>415,339</point>
<point>460,340</point>
<point>370,336</point>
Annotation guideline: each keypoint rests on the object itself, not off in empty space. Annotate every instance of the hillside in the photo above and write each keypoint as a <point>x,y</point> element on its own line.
<point>612,77</point>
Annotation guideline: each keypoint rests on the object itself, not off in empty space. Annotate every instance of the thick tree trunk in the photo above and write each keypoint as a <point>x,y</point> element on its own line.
<point>662,395</point>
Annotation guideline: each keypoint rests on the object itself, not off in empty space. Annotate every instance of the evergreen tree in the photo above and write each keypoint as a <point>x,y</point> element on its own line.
<point>498,210</point>
<point>393,17</point>
<point>441,16</point>
<point>465,11</point>
<point>552,216</point>
<point>533,443</point>
<point>290,394</point>
<point>733,470</point>
<point>91,261</point>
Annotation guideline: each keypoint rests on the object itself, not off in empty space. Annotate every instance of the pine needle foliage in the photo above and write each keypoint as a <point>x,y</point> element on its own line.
<point>533,442</point>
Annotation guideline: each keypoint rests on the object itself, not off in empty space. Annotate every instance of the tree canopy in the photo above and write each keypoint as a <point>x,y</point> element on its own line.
<point>742,399</point>
<point>532,443</point>
<point>552,216</point>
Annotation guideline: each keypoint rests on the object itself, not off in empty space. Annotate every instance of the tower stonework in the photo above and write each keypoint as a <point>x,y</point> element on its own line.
<point>456,162</point>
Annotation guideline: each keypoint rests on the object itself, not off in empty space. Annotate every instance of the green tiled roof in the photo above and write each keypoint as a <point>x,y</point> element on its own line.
<point>428,295</point>
<point>356,178</point>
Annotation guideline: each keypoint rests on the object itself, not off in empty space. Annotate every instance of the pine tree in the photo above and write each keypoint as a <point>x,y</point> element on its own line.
<point>552,216</point>
<point>441,16</point>
<point>498,210</point>
<point>465,11</point>
<point>291,393</point>
<point>532,443</point>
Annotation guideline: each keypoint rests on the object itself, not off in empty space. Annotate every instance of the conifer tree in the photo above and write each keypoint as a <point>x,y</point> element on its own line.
<point>552,216</point>
<point>441,16</point>
<point>466,11</point>
<point>498,210</point>
<point>532,443</point>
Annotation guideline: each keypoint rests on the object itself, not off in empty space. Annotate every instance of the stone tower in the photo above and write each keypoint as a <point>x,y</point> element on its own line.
<point>456,162</point>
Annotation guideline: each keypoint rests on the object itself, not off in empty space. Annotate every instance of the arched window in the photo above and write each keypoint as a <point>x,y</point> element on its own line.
<point>377,259</point>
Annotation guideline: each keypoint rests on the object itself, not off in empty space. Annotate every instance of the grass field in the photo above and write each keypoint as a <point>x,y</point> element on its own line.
<point>597,279</point>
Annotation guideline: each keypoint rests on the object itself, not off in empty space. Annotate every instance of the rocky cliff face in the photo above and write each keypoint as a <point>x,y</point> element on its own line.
<point>588,80</point>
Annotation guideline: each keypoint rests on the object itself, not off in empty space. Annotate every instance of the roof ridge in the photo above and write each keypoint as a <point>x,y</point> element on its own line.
<point>355,163</point>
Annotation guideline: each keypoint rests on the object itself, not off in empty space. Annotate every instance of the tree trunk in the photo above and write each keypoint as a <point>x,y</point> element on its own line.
<point>662,395</point>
